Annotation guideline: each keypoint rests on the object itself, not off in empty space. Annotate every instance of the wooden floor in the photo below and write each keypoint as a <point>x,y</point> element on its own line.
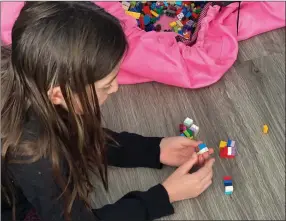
<point>251,93</point>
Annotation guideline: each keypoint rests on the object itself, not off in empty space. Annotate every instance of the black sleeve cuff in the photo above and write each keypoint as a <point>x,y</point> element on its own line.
<point>155,201</point>
<point>158,203</point>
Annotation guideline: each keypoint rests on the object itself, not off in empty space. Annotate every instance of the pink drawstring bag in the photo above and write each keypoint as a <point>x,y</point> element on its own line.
<point>157,56</point>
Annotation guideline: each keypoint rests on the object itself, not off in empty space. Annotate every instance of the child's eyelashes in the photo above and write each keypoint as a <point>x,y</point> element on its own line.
<point>107,87</point>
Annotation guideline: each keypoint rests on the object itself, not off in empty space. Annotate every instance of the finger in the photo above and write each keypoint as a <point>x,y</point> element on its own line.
<point>189,142</point>
<point>205,170</point>
<point>201,159</point>
<point>186,167</point>
<point>207,178</point>
<point>206,155</point>
<point>207,185</point>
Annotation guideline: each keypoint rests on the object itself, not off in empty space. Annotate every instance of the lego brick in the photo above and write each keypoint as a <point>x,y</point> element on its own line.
<point>195,15</point>
<point>229,151</point>
<point>146,10</point>
<point>232,144</point>
<point>222,144</point>
<point>188,122</point>
<point>188,133</point>
<point>153,6</point>
<point>202,146</point>
<point>170,13</point>
<point>233,151</point>
<point>172,25</point>
<point>188,14</point>
<point>227,178</point>
<point>147,19</point>
<point>228,193</point>
<point>229,142</point>
<point>135,15</point>
<point>182,128</point>
<point>141,21</point>
<point>179,3</point>
<point>125,5</point>
<point>182,135</point>
<point>154,14</point>
<point>227,182</point>
<point>180,16</point>
<point>228,189</point>
<point>265,129</point>
<point>203,150</point>
<point>179,11</point>
<point>179,23</point>
<point>195,129</point>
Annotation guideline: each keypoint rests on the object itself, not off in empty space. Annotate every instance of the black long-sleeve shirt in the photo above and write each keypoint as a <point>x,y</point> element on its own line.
<point>37,188</point>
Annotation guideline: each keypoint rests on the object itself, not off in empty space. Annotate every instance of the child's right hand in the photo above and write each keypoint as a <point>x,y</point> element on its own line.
<point>182,185</point>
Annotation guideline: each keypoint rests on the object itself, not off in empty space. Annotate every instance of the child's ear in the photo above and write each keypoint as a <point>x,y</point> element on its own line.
<point>56,97</point>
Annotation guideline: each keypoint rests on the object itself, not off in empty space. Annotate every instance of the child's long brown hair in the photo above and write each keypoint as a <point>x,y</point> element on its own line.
<point>66,44</point>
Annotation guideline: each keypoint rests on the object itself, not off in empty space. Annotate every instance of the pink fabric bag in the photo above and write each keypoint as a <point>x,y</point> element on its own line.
<point>157,56</point>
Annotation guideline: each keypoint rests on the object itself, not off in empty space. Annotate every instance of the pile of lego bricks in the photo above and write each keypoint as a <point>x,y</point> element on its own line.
<point>184,14</point>
<point>227,149</point>
<point>190,130</point>
<point>228,186</point>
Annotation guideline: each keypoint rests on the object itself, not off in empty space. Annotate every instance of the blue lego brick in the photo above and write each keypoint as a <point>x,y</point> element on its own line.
<point>147,19</point>
<point>202,146</point>
<point>153,6</point>
<point>228,193</point>
<point>166,4</point>
<point>185,11</point>
<point>179,3</point>
<point>182,135</point>
<point>227,183</point>
<point>133,9</point>
<point>229,142</point>
<point>189,14</point>
<point>180,32</point>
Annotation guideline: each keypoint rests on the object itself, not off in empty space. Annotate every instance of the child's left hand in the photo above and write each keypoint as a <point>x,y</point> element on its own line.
<point>175,151</point>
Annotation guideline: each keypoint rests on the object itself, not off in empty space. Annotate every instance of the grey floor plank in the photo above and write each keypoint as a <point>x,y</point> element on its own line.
<point>250,94</point>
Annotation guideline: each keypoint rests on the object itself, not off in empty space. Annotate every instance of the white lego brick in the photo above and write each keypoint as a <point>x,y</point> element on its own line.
<point>229,151</point>
<point>228,189</point>
<point>203,150</point>
<point>232,143</point>
<point>195,129</point>
<point>180,16</point>
<point>188,122</point>
<point>125,5</point>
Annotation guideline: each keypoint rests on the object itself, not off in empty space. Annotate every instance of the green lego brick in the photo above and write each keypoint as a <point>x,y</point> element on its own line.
<point>190,132</point>
<point>153,20</point>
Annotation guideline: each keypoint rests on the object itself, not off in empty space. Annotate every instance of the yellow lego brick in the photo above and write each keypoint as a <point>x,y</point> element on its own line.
<point>154,13</point>
<point>265,129</point>
<point>173,24</point>
<point>135,15</point>
<point>222,144</point>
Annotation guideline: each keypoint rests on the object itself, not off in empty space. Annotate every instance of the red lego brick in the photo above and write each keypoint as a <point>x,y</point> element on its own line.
<point>179,11</point>
<point>227,178</point>
<point>195,15</point>
<point>141,20</point>
<point>223,153</point>
<point>146,10</point>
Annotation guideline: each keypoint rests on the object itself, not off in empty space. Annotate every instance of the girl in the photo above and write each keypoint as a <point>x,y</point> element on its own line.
<point>60,68</point>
